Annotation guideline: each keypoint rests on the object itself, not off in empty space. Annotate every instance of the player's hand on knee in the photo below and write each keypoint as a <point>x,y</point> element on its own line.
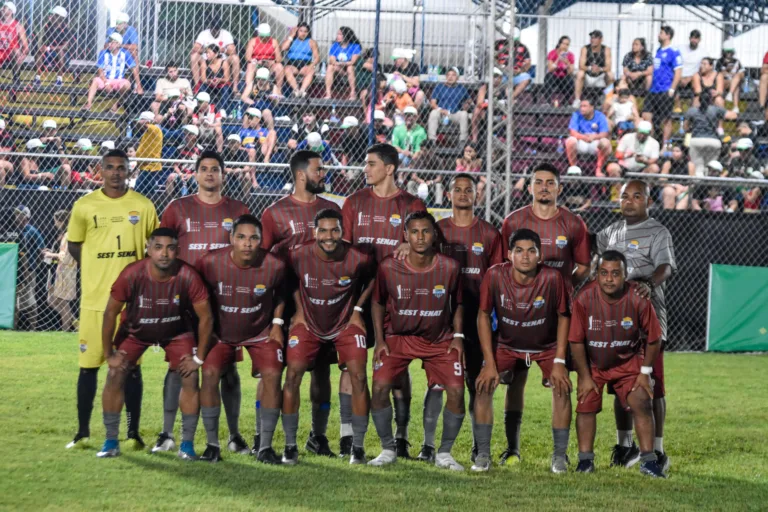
<point>457,344</point>
<point>560,381</point>
<point>276,335</point>
<point>378,350</point>
<point>586,386</point>
<point>187,366</point>
<point>488,379</point>
<point>644,382</point>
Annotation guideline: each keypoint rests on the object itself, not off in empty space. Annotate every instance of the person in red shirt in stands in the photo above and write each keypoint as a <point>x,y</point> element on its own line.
<point>13,40</point>
<point>263,50</point>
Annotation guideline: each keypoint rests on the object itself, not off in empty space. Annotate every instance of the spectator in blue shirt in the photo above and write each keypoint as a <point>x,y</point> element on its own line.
<point>113,64</point>
<point>667,71</point>
<point>31,247</point>
<point>447,103</point>
<point>341,59</point>
<point>129,33</point>
<point>589,135</point>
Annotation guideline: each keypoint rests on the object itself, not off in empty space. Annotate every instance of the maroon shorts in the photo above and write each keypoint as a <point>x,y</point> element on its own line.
<point>443,368</point>
<point>265,355</point>
<point>303,347</point>
<point>508,360</point>
<point>175,348</point>
<point>621,378</point>
<point>659,391</point>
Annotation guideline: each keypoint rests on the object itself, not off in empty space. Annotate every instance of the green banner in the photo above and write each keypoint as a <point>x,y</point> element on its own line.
<point>9,259</point>
<point>737,319</point>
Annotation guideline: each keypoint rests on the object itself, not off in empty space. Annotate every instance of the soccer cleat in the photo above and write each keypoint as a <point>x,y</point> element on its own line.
<point>446,461</point>
<point>186,450</point>
<point>631,456</point>
<point>345,446</point>
<point>268,456</point>
<point>237,444</point>
<point>401,448</point>
<point>135,442</point>
<point>384,458</point>
<point>358,456</point>
<point>318,445</point>
<point>617,455</point>
<point>291,455</point>
<point>211,454</point>
<point>111,448</point>
<point>482,463</point>
<point>652,468</point>
<point>427,454</point>
<point>586,466</point>
<point>473,455</point>
<point>663,461</point>
<point>165,443</point>
<point>559,464</point>
<point>256,444</point>
<point>508,456</point>
<point>79,441</point>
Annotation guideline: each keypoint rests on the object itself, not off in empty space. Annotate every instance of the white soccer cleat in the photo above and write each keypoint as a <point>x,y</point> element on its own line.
<point>446,461</point>
<point>165,443</point>
<point>384,458</point>
<point>482,463</point>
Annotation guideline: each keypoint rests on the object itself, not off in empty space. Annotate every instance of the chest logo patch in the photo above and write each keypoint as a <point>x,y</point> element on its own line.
<point>477,248</point>
<point>227,224</point>
<point>260,289</point>
<point>344,280</point>
<point>176,300</point>
<point>134,217</point>
<point>633,245</point>
<point>561,242</point>
<point>438,291</point>
<point>538,302</point>
<point>627,323</point>
<point>395,220</point>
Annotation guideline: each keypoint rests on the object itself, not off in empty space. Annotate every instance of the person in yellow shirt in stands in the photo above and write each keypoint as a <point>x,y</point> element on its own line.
<point>108,230</point>
<point>151,174</point>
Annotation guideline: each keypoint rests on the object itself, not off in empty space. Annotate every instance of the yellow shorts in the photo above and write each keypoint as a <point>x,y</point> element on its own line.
<point>91,349</point>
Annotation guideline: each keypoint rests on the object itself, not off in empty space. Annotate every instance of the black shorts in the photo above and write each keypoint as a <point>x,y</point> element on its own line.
<point>659,105</point>
<point>298,64</point>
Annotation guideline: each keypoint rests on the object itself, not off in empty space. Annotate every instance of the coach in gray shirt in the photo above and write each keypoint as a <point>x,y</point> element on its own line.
<point>648,248</point>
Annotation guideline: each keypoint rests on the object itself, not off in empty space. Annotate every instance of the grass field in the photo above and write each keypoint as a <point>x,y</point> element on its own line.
<point>716,438</point>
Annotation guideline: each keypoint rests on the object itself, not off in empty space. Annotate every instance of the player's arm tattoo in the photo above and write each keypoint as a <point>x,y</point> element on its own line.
<point>108,325</point>
<point>204,327</point>
<point>75,249</point>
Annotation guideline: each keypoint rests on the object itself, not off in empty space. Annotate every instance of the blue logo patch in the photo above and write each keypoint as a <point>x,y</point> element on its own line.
<point>633,245</point>
<point>627,323</point>
<point>477,248</point>
<point>344,280</point>
<point>395,220</point>
<point>293,341</point>
<point>260,289</point>
<point>538,302</point>
<point>561,242</point>
<point>438,291</point>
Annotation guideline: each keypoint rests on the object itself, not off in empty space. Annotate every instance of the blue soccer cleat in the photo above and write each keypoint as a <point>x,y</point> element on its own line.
<point>111,448</point>
<point>187,451</point>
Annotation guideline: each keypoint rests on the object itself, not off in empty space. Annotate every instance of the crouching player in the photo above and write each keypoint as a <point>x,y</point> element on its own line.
<point>158,292</point>
<point>610,326</point>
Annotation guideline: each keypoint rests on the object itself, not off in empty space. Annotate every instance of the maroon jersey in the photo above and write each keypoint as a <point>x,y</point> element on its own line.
<point>564,240</point>
<point>375,224</point>
<point>419,302</point>
<point>289,222</point>
<point>155,310</point>
<point>243,299</point>
<point>201,227</point>
<point>329,289</point>
<point>615,332</point>
<point>476,247</point>
<point>527,314</point>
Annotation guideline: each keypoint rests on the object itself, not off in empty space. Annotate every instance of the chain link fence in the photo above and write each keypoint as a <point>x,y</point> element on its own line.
<point>256,84</point>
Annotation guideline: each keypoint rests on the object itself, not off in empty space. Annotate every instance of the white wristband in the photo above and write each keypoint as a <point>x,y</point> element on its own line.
<point>646,370</point>
<point>359,309</point>
<point>557,360</point>
<point>278,321</point>
<point>458,335</point>
<point>197,360</point>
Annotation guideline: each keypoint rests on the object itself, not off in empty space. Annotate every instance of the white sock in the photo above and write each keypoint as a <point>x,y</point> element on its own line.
<point>346,429</point>
<point>658,444</point>
<point>624,438</point>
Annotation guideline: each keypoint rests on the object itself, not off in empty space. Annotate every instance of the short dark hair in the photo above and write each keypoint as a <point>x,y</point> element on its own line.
<point>386,152</point>
<point>209,153</point>
<point>668,30</point>
<point>328,213</point>
<point>612,255</point>
<point>525,234</point>
<point>463,176</point>
<point>170,65</point>
<point>164,231</point>
<point>244,219</point>
<point>115,153</point>
<point>419,215</point>
<point>306,26</point>
<point>695,33</point>
<point>300,161</point>
<point>214,48</point>
<point>589,98</point>
<point>546,167</point>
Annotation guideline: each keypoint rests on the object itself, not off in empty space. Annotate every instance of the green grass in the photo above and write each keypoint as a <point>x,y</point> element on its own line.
<point>716,438</point>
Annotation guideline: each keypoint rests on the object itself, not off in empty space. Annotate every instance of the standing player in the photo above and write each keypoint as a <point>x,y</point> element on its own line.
<point>564,247</point>
<point>647,247</point>
<point>203,222</point>
<point>289,223</point>
<point>618,331</point>
<point>477,246</point>
<point>108,230</point>
<point>245,283</point>
<point>531,301</point>
<point>158,293</point>
<point>422,295</point>
<point>373,220</point>
<point>335,281</point>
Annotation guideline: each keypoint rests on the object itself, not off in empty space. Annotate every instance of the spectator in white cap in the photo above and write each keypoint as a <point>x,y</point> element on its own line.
<point>260,94</point>
<point>190,150</point>
<point>106,146</point>
<point>50,137</point>
<point>397,97</point>
<point>638,151</point>
<point>263,52</point>
<point>342,57</point>
<point>409,72</point>
<point>86,174</point>
<point>408,137</point>
<point>743,162</point>
<point>500,92</point>
<point>170,83</point>
<point>448,102</point>
<point>382,127</point>
<point>223,39</point>
<point>15,46</point>
<point>7,143</point>
<point>47,171</point>
<point>576,194</point>
<point>208,119</point>
<point>353,146</point>
<point>113,62</point>
<point>130,34</point>
<point>308,125</point>
<point>733,73</point>
<point>259,140</point>
<point>173,112</point>
<point>314,142</point>
<point>240,179</point>
<point>54,43</point>
<point>150,146</point>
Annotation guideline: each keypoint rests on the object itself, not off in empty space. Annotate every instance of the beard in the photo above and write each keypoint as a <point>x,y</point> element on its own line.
<point>315,187</point>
